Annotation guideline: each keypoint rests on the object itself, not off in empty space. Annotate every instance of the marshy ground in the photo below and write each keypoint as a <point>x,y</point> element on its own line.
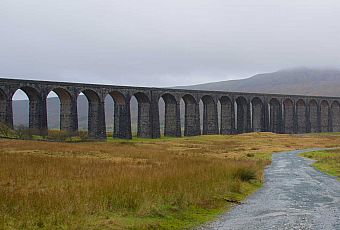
<point>170,183</point>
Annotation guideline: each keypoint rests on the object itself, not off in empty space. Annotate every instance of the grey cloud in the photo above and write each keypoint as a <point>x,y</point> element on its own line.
<point>164,43</point>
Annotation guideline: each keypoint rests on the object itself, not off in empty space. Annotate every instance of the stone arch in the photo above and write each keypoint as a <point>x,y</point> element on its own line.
<point>144,117</point>
<point>301,116</point>
<point>257,115</point>
<point>275,116</point>
<point>121,114</point>
<point>335,115</point>
<point>313,116</point>
<point>324,116</point>
<point>288,116</point>
<point>68,110</point>
<point>192,116</point>
<point>96,115</point>
<point>31,92</point>
<point>172,122</point>
<point>241,115</point>
<point>117,97</point>
<point>210,115</point>
<point>37,110</point>
<point>227,115</point>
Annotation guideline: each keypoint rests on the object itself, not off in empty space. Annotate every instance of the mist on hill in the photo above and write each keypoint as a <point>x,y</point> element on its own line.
<point>297,81</point>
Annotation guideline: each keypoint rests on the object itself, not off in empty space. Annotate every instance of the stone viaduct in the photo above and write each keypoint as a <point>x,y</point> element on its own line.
<point>239,112</point>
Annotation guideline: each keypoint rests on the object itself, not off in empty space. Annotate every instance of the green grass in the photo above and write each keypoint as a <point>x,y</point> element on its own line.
<point>325,134</point>
<point>139,139</point>
<point>169,216</point>
<point>170,219</point>
<point>327,161</point>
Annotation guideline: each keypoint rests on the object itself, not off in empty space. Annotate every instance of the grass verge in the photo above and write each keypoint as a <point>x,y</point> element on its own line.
<point>327,161</point>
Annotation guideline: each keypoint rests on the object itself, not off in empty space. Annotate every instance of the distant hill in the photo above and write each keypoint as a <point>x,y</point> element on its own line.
<point>304,81</point>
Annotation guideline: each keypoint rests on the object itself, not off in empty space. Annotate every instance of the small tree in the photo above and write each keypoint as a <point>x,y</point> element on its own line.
<point>57,135</point>
<point>5,130</point>
<point>83,135</point>
<point>23,132</point>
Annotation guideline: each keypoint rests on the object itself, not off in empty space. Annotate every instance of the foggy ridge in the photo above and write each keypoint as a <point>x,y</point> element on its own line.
<point>304,81</point>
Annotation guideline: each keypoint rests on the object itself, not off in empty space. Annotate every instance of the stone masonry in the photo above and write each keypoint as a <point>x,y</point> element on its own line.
<point>239,112</point>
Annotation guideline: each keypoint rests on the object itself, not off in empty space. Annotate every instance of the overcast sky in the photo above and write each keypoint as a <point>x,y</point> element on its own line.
<point>164,42</point>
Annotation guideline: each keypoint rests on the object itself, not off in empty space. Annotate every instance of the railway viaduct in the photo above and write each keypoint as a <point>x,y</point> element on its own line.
<point>239,112</point>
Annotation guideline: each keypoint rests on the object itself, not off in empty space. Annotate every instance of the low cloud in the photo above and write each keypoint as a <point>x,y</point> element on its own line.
<point>164,43</point>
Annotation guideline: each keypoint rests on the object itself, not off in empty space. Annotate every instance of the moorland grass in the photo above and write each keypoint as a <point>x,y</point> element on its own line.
<point>169,183</point>
<point>327,161</point>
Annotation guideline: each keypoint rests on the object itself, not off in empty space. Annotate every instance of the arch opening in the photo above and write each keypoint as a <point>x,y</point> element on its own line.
<point>117,115</point>
<point>192,116</point>
<point>170,112</point>
<point>288,116</point>
<point>110,115</point>
<point>275,116</point>
<point>335,114</point>
<point>324,116</point>
<point>162,114</point>
<point>241,115</point>
<point>36,107</point>
<point>61,111</point>
<point>134,115</point>
<point>257,115</point>
<point>96,115</point>
<point>210,116</point>
<point>227,115</point>
<point>182,115</point>
<point>301,116</point>
<point>20,105</point>
<point>53,104</point>
<point>313,116</point>
<point>82,107</point>
<point>143,115</point>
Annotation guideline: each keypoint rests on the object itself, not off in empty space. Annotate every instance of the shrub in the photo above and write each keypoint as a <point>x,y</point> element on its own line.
<point>57,135</point>
<point>5,130</point>
<point>22,132</point>
<point>83,135</point>
<point>250,154</point>
<point>245,174</point>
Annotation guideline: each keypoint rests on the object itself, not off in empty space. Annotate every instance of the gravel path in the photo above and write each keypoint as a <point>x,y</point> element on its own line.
<point>294,196</point>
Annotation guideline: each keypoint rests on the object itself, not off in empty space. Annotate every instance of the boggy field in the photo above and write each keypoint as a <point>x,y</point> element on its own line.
<point>167,183</point>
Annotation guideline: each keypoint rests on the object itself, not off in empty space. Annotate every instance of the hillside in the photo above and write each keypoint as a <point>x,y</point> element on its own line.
<point>322,82</point>
<point>304,81</point>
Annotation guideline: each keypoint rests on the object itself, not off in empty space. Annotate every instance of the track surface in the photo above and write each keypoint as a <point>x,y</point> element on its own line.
<point>294,196</point>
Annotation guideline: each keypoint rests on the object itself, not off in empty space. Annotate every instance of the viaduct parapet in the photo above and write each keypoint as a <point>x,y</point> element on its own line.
<point>239,112</point>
